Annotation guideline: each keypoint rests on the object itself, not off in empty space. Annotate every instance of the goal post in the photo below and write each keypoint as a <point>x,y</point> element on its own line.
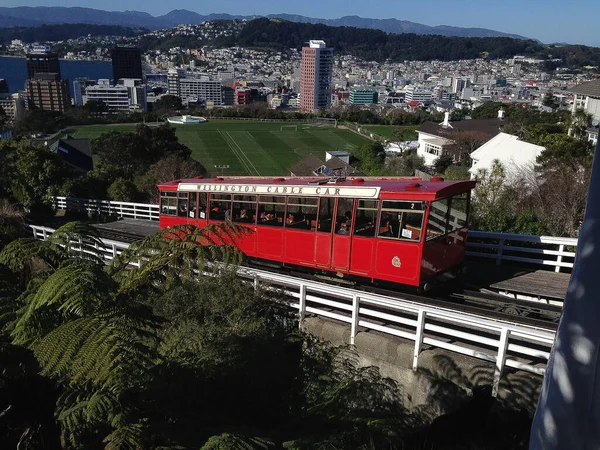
<point>323,122</point>
<point>288,127</point>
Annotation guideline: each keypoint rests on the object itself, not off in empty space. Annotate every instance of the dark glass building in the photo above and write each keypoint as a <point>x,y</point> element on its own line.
<point>42,62</point>
<point>126,63</point>
<point>3,86</point>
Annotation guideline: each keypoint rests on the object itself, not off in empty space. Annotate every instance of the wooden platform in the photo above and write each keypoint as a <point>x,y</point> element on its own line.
<point>129,227</point>
<point>542,284</point>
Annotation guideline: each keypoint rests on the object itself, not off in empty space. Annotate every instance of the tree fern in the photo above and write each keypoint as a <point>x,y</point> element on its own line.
<point>177,253</point>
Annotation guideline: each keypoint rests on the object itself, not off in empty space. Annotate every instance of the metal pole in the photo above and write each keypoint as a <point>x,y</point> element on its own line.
<point>568,412</point>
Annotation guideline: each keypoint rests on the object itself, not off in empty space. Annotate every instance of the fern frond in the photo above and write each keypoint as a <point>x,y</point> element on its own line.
<point>125,437</point>
<point>18,254</point>
<point>76,239</point>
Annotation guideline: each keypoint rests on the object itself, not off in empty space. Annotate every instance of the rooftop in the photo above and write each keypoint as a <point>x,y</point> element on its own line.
<point>491,127</point>
<point>591,88</point>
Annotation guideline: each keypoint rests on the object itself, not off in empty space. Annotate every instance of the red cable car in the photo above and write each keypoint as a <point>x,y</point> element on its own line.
<point>400,230</point>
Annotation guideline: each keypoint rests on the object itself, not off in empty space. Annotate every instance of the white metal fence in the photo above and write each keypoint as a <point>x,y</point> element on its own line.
<point>143,211</point>
<point>505,344</point>
<point>548,252</point>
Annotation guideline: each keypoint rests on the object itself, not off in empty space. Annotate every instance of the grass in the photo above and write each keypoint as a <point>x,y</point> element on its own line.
<point>249,148</point>
<point>385,131</point>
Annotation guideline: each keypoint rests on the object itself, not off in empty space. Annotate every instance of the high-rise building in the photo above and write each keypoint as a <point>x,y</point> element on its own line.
<point>42,60</point>
<point>316,76</point>
<point>79,86</point>
<point>3,86</point>
<point>48,92</point>
<point>126,63</point>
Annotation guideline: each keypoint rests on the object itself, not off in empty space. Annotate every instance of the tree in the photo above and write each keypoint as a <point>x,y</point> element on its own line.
<point>167,169</point>
<point>122,190</point>
<point>550,101</point>
<point>370,158</point>
<point>578,123</point>
<point>95,107</point>
<point>33,174</point>
<point>3,118</point>
<point>441,164</point>
<point>562,148</point>
<point>465,142</point>
<point>166,103</point>
<point>405,164</point>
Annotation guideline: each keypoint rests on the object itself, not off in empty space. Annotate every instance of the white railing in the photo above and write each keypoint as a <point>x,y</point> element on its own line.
<point>549,251</point>
<point>503,343</point>
<point>557,253</point>
<point>144,211</point>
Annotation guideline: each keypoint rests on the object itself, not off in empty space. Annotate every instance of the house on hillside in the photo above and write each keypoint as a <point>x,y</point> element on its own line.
<point>436,140</point>
<point>77,153</point>
<point>336,163</point>
<point>514,155</point>
<point>587,97</point>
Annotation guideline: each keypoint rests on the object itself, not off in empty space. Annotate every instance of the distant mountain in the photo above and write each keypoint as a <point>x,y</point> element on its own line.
<point>398,26</point>
<point>35,16</point>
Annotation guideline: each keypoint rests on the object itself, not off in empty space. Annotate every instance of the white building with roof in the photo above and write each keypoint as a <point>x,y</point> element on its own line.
<point>514,155</point>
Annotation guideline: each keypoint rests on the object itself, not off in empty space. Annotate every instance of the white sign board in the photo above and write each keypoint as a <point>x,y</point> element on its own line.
<point>307,190</point>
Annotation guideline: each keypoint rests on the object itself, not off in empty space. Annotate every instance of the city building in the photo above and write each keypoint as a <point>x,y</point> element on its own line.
<point>243,95</point>
<point>79,86</point>
<point>417,94</point>
<point>128,96</point>
<point>3,86</point>
<point>126,63</point>
<point>48,92</point>
<point>316,73</point>
<point>42,60</point>
<point>13,106</point>
<point>201,90</point>
<point>194,90</point>
<point>363,96</point>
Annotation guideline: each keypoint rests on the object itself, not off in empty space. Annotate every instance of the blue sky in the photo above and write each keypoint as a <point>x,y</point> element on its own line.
<point>574,21</point>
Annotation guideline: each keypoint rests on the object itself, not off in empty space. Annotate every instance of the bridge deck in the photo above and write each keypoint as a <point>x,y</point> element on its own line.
<point>518,280</point>
<point>127,228</point>
<point>483,275</point>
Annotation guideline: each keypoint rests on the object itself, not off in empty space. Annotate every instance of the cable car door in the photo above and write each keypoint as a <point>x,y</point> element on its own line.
<point>342,242</point>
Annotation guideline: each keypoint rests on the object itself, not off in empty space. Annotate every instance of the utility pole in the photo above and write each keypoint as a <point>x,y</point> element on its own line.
<point>568,412</point>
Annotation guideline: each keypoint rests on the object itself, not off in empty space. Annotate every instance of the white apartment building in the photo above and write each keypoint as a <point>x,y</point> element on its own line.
<point>417,94</point>
<point>194,89</point>
<point>122,98</point>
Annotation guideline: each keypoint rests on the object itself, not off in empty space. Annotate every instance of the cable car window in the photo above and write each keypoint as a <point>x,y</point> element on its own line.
<point>401,220</point>
<point>459,208</point>
<point>182,204</point>
<point>302,213</point>
<point>168,203</point>
<point>325,214</point>
<point>220,207</point>
<point>202,197</point>
<point>244,208</point>
<point>438,218</point>
<point>193,205</point>
<point>366,218</point>
<point>343,220</point>
<point>271,210</point>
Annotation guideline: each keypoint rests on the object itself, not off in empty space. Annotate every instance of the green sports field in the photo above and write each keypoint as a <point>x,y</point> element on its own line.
<point>250,148</point>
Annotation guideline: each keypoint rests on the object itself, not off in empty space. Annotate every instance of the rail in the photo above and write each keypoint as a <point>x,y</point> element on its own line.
<point>549,252</point>
<point>504,344</point>
<point>143,211</point>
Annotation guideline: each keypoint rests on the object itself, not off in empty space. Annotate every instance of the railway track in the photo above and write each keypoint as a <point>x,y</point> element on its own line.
<point>489,304</point>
